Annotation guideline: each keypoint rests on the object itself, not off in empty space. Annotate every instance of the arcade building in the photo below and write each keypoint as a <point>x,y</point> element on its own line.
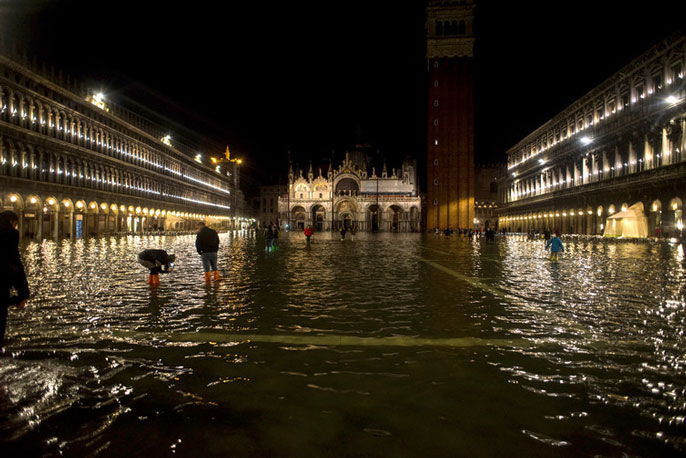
<point>618,149</point>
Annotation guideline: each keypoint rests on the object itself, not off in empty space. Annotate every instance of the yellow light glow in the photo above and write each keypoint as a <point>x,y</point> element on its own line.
<point>51,201</point>
<point>66,204</point>
<point>13,198</point>
<point>33,200</point>
<point>79,204</point>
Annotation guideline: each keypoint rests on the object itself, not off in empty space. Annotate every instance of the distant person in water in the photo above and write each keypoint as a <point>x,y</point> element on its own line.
<point>268,236</point>
<point>158,261</point>
<point>308,233</point>
<point>353,231</point>
<point>11,270</point>
<point>556,246</point>
<point>343,231</point>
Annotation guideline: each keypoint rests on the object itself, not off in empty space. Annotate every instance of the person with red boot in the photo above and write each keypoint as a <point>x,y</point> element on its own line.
<point>158,261</point>
<point>207,244</point>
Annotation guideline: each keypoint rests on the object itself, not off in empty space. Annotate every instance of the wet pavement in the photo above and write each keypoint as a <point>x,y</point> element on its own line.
<point>388,345</point>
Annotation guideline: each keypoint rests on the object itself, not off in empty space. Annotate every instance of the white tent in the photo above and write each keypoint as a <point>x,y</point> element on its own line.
<point>631,222</point>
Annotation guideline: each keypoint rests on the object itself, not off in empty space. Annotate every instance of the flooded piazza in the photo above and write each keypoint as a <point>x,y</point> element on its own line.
<point>388,345</point>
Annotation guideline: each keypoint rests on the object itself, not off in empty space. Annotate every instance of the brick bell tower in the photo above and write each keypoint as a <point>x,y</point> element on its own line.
<point>450,149</point>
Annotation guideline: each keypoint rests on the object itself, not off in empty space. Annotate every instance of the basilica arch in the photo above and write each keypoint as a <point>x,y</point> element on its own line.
<point>346,214</point>
<point>299,217</point>
<point>318,217</point>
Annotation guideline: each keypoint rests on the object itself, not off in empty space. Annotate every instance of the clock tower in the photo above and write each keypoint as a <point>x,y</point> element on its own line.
<point>450,149</point>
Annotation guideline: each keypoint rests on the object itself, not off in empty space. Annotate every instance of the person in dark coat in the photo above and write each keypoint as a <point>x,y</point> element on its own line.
<point>268,237</point>
<point>11,269</point>
<point>207,244</point>
<point>158,261</point>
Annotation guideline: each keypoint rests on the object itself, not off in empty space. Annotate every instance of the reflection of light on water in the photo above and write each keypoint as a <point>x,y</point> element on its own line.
<point>600,327</point>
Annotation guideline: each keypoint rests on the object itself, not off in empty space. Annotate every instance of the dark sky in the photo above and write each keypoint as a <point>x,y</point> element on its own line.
<point>316,76</point>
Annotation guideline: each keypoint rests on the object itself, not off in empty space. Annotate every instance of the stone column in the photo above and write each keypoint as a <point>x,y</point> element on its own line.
<point>20,228</point>
<point>39,219</point>
<point>55,224</point>
<point>72,225</point>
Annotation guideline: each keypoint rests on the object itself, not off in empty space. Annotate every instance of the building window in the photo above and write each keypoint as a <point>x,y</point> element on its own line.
<point>435,161</point>
<point>435,64</point>
<point>625,99</point>
<point>435,201</point>
<point>436,182</point>
<point>435,122</point>
<point>439,28</point>
<point>435,103</point>
<point>320,195</point>
<point>657,82</point>
<point>301,196</point>
<point>436,83</point>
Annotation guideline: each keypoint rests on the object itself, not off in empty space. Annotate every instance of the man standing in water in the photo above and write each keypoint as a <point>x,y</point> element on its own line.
<point>11,269</point>
<point>207,244</point>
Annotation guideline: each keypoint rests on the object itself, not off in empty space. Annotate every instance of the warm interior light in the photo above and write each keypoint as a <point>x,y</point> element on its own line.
<point>13,198</point>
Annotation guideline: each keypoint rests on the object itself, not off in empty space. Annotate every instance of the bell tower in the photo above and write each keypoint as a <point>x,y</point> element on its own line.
<point>450,149</point>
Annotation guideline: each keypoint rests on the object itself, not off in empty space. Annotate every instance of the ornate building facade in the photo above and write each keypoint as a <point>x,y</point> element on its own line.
<point>621,144</point>
<point>353,196</point>
<point>450,149</point>
<point>72,165</point>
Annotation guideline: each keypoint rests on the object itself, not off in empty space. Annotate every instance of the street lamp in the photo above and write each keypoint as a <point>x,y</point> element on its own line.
<point>236,162</point>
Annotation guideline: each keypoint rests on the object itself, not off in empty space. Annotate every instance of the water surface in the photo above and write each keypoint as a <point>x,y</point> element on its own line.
<point>388,345</point>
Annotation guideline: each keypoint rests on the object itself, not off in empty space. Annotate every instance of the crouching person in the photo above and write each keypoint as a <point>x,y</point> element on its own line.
<point>158,261</point>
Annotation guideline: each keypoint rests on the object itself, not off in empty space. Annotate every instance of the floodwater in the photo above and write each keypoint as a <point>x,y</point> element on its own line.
<point>388,345</point>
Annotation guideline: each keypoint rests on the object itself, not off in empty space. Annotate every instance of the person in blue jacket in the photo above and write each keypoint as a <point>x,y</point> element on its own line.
<point>556,246</point>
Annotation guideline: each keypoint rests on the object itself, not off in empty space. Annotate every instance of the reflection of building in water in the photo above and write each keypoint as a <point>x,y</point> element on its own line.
<point>620,145</point>
<point>353,196</point>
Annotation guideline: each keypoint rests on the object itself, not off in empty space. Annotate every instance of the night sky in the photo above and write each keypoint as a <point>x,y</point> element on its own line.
<point>314,77</point>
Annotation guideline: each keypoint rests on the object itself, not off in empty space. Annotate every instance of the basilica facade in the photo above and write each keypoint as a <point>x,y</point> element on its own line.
<point>353,196</point>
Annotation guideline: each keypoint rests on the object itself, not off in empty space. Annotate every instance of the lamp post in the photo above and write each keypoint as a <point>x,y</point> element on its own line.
<point>236,162</point>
